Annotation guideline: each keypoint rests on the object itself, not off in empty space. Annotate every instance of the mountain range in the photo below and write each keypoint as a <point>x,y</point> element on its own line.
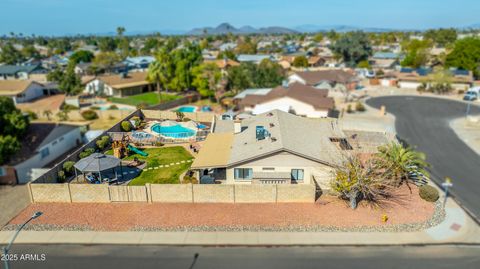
<point>226,28</point>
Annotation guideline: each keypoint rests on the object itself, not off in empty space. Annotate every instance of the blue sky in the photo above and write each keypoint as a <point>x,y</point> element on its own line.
<point>56,17</point>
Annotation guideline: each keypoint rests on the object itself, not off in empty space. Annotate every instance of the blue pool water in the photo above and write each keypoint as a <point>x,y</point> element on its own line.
<point>187,109</point>
<point>175,131</point>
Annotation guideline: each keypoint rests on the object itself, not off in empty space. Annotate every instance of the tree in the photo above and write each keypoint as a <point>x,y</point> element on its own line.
<point>81,56</point>
<point>107,44</point>
<point>400,164</point>
<point>48,113</point>
<point>106,59</point>
<point>416,53</point>
<point>300,61</point>
<point>269,74</point>
<point>10,55</point>
<point>120,30</point>
<point>465,55</point>
<point>161,70</point>
<point>14,126</point>
<point>249,75</point>
<point>318,37</point>
<point>227,54</point>
<point>9,145</point>
<point>364,64</point>
<point>247,47</point>
<point>353,47</point>
<point>441,37</point>
<point>70,82</point>
<point>206,79</point>
<point>29,51</point>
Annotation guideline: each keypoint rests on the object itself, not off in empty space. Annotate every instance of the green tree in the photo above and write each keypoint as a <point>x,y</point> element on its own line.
<point>228,54</point>
<point>206,79</point>
<point>29,51</point>
<point>107,44</point>
<point>364,64</point>
<point>416,53</point>
<point>318,37</point>
<point>9,145</point>
<point>465,55</point>
<point>14,126</point>
<point>106,59</point>
<point>161,71</point>
<point>10,55</point>
<point>441,37</point>
<point>300,61</point>
<point>81,56</point>
<point>353,47</point>
<point>70,82</point>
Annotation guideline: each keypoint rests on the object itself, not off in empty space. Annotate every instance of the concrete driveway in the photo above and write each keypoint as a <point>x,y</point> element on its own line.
<point>424,122</point>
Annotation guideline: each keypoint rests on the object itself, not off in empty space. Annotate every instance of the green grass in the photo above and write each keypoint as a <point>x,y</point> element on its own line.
<point>149,98</point>
<point>161,156</point>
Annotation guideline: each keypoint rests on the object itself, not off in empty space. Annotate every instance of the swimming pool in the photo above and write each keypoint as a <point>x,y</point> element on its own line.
<point>187,109</point>
<point>174,131</point>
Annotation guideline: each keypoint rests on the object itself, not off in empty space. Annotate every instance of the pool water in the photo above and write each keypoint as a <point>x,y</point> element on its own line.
<point>187,109</point>
<point>175,131</point>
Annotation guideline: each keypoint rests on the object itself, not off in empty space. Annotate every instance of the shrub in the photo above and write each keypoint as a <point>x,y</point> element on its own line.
<point>349,109</point>
<point>63,115</point>
<point>103,142</point>
<point>32,115</point>
<point>126,126</point>
<point>159,144</point>
<point>94,108</point>
<point>61,177</point>
<point>89,115</point>
<point>189,179</point>
<point>186,119</point>
<point>359,107</point>
<point>69,107</point>
<point>68,167</point>
<point>429,193</point>
<point>87,152</point>
<point>113,107</point>
<point>142,106</point>
<point>136,121</point>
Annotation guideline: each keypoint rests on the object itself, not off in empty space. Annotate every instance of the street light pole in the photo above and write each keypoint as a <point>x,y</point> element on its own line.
<point>7,248</point>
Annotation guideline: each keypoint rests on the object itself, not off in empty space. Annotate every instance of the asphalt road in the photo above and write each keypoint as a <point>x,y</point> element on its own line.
<point>424,122</point>
<point>114,256</point>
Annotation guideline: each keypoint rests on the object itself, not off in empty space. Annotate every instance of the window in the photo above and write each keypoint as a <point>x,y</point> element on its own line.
<point>44,152</point>
<point>3,172</point>
<point>243,173</point>
<point>297,174</point>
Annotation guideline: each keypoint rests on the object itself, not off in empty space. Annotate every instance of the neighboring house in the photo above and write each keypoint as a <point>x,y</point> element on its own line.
<point>409,78</point>
<point>42,144</point>
<point>227,46</point>
<point>273,148</point>
<point>316,61</point>
<point>295,98</point>
<point>263,91</point>
<point>325,79</point>
<point>140,63</point>
<point>119,85</point>
<point>22,91</point>
<point>82,68</point>
<point>385,60</point>
<point>12,72</point>
<point>254,58</point>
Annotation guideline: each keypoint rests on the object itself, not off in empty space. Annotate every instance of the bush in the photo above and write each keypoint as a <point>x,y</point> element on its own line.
<point>186,119</point>
<point>94,108</point>
<point>136,121</point>
<point>349,109</point>
<point>62,115</point>
<point>359,107</point>
<point>113,107</point>
<point>142,106</point>
<point>429,193</point>
<point>61,177</point>
<point>69,107</point>
<point>32,115</point>
<point>89,115</point>
<point>126,126</point>
<point>68,167</point>
<point>189,179</point>
<point>87,152</point>
<point>103,142</point>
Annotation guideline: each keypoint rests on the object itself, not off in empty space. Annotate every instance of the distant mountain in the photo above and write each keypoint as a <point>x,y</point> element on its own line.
<point>226,28</point>
<point>311,28</point>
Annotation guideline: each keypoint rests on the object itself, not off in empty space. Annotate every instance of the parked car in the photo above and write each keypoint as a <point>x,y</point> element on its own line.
<point>472,94</point>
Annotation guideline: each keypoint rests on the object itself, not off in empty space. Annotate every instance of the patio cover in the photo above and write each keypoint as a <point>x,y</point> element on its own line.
<point>97,162</point>
<point>215,151</point>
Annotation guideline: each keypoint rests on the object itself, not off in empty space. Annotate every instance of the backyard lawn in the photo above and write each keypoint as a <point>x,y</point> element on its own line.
<point>149,98</point>
<point>161,156</point>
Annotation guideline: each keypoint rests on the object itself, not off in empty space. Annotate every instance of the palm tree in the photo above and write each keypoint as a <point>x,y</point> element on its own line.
<point>160,71</point>
<point>401,164</point>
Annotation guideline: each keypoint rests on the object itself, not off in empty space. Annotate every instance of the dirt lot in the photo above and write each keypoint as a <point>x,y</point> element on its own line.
<point>329,211</point>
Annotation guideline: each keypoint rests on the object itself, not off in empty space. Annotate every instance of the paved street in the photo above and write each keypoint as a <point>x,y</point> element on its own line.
<point>108,256</point>
<point>424,122</point>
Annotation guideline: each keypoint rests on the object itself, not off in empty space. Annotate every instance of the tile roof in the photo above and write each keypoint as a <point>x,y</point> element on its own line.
<point>306,94</point>
<point>314,77</point>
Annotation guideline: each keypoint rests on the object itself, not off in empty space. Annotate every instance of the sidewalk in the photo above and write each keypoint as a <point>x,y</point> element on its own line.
<point>456,228</point>
<point>468,130</point>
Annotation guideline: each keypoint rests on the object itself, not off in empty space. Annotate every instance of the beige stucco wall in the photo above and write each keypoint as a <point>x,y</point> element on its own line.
<point>196,116</point>
<point>137,194</point>
<point>285,162</point>
<point>296,193</point>
<point>213,194</point>
<point>255,193</point>
<point>171,193</point>
<point>83,193</point>
<point>50,193</point>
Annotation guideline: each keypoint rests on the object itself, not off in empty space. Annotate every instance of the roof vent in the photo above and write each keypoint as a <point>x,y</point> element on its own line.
<point>260,133</point>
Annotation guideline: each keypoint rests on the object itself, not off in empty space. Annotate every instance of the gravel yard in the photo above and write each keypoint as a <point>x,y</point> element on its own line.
<point>329,213</point>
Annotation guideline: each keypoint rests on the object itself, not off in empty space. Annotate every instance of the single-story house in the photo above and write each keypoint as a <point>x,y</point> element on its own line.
<point>295,98</point>
<point>227,46</point>
<point>254,58</point>
<point>261,91</point>
<point>42,144</point>
<point>316,61</point>
<point>139,63</point>
<point>22,91</point>
<point>120,85</point>
<point>385,60</point>
<point>409,78</point>
<point>13,72</point>
<point>273,148</point>
<point>325,79</point>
